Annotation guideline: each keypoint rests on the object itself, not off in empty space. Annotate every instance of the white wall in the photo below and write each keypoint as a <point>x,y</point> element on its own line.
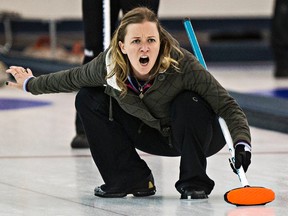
<point>43,9</point>
<point>56,9</point>
<point>216,8</point>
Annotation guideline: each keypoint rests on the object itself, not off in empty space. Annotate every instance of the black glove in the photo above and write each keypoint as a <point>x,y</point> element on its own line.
<point>242,157</point>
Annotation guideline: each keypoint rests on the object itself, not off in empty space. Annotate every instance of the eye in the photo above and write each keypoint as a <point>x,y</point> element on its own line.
<point>136,41</point>
<point>151,40</point>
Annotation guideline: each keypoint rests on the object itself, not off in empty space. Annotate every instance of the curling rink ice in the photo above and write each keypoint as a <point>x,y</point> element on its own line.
<point>42,175</point>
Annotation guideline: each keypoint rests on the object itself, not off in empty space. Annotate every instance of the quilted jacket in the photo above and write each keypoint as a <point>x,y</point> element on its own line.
<point>153,108</point>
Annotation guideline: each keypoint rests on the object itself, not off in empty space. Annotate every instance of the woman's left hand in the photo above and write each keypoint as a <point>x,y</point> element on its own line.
<point>20,74</point>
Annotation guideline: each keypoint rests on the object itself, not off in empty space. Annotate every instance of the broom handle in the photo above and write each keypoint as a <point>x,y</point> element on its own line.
<point>106,24</point>
<point>197,52</point>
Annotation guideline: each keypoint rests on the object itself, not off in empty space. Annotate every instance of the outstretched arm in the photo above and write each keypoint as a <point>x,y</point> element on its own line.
<point>21,76</point>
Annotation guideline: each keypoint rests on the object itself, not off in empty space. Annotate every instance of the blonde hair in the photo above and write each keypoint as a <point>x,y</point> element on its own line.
<point>121,64</point>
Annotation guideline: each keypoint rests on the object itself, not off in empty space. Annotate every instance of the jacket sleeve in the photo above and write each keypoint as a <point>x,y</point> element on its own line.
<point>88,75</point>
<point>199,80</point>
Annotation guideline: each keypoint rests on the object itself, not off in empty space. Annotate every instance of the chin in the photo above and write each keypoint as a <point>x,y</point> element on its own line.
<point>144,71</point>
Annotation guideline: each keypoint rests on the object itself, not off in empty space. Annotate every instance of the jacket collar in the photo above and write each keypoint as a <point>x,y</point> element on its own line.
<point>111,81</point>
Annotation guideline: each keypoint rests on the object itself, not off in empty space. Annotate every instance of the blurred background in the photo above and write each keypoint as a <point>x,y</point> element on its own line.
<point>48,35</point>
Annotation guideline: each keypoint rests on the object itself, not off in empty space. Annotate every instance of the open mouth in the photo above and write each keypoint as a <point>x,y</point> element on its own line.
<point>144,60</point>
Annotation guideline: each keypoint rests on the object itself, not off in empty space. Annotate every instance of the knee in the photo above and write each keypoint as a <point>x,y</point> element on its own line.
<point>88,97</point>
<point>190,104</point>
<point>192,114</point>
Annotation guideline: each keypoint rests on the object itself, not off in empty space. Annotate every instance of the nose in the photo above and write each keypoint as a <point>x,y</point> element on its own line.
<point>144,47</point>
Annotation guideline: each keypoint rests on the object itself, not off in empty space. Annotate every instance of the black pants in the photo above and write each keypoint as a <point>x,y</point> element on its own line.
<point>92,13</point>
<point>279,37</point>
<point>195,130</point>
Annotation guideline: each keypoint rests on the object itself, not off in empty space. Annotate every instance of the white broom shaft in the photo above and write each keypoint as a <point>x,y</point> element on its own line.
<point>106,24</point>
<point>229,141</point>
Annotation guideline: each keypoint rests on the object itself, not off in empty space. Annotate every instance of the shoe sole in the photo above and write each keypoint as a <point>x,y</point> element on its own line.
<point>194,195</point>
<point>135,193</point>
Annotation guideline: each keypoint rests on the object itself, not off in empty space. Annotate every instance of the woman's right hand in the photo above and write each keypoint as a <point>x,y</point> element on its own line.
<point>20,74</point>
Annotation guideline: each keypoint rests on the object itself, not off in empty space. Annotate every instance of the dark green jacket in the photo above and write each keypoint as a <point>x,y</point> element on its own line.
<point>153,108</point>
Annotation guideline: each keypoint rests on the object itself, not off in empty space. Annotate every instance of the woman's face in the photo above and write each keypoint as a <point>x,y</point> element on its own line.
<point>141,45</point>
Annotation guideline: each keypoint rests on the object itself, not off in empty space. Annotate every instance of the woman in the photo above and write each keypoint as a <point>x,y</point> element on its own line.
<point>146,92</point>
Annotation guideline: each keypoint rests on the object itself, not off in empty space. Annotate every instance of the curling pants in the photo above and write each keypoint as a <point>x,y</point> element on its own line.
<point>196,134</point>
<point>279,37</point>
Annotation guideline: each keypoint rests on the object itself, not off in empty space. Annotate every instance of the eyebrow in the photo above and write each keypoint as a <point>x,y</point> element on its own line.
<point>137,37</point>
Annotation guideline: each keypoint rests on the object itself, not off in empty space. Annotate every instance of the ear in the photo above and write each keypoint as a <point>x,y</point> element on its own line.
<point>122,47</point>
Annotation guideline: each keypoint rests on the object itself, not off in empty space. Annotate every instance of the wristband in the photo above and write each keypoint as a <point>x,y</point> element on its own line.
<point>26,82</point>
<point>247,147</point>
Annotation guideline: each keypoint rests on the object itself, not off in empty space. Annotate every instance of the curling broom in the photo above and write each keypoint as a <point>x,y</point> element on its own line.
<point>106,24</point>
<point>245,195</point>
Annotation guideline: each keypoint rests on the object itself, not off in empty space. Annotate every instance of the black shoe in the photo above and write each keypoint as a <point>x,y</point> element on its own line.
<point>144,188</point>
<point>80,141</point>
<point>281,72</point>
<point>277,75</point>
<point>190,193</point>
